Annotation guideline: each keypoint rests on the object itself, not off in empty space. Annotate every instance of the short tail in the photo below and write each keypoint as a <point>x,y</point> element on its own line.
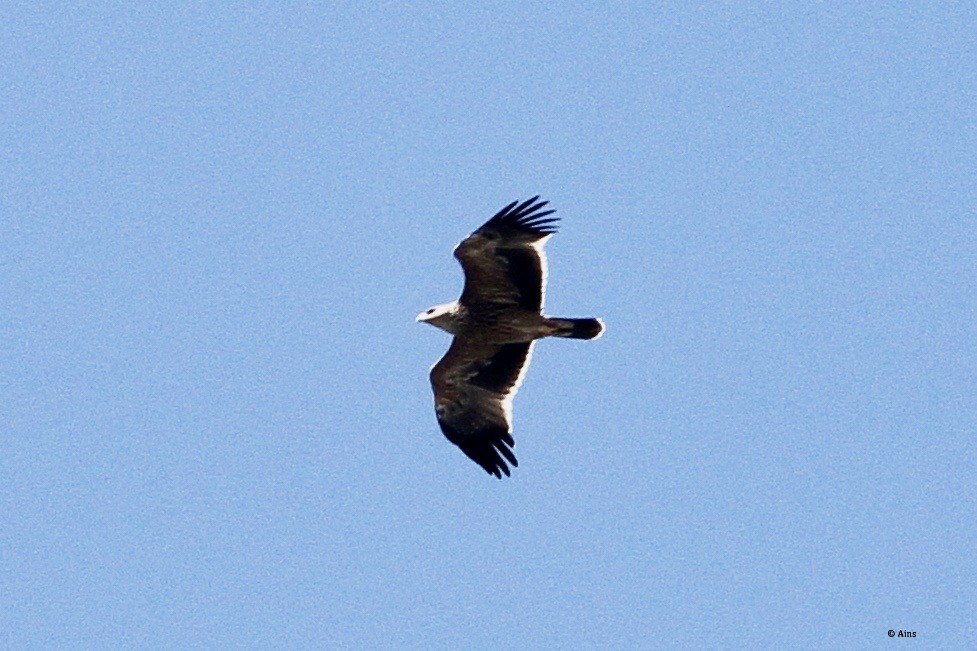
<point>578,328</point>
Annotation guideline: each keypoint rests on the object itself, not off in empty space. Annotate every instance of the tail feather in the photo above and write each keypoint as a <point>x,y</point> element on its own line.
<point>578,328</point>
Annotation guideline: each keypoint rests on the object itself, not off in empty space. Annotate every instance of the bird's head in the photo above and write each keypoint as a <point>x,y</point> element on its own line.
<point>441,316</point>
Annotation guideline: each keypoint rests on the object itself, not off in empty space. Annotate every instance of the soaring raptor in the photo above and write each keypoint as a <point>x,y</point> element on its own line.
<point>495,323</point>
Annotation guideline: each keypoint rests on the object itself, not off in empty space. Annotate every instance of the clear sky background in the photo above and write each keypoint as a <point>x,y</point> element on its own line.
<point>218,224</point>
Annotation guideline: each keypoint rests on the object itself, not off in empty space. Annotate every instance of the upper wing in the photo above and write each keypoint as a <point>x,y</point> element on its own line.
<point>473,389</point>
<point>504,260</point>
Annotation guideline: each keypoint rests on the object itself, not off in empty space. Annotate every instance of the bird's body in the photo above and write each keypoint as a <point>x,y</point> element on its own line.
<point>495,323</point>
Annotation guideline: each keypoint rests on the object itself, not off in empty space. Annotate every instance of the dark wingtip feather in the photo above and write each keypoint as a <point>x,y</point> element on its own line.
<point>529,202</point>
<point>527,217</point>
<point>507,453</point>
<point>485,447</point>
<point>504,211</point>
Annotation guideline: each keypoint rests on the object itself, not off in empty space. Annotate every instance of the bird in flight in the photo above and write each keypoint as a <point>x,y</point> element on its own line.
<point>495,323</point>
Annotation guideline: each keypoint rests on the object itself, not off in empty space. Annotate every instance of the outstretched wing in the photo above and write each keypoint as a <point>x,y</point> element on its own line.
<point>474,384</point>
<point>504,260</point>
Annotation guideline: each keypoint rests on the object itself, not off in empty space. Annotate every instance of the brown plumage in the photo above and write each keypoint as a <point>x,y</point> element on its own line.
<point>495,323</point>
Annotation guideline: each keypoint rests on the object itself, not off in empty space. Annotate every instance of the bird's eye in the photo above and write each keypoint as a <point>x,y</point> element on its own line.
<point>429,311</point>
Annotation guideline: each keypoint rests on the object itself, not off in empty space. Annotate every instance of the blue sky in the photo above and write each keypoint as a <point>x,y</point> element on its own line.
<point>219,223</point>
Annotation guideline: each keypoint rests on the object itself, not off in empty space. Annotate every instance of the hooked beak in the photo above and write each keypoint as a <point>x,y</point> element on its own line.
<point>420,317</point>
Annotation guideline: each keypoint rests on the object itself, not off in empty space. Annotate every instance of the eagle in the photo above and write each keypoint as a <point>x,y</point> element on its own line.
<point>495,323</point>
